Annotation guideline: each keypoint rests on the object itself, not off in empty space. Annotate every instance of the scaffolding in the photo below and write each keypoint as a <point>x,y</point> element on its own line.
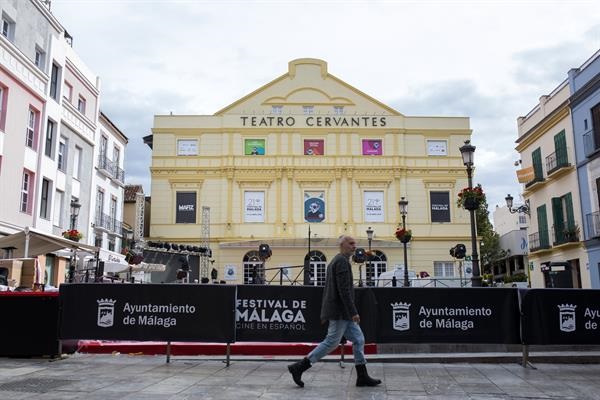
<point>205,242</point>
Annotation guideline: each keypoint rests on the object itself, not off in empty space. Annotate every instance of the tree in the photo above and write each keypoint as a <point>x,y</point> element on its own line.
<point>490,251</point>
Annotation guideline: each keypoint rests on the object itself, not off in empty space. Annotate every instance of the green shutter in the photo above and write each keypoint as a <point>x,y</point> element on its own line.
<point>543,226</point>
<point>559,223</point>
<point>536,158</point>
<point>560,146</point>
<point>569,206</point>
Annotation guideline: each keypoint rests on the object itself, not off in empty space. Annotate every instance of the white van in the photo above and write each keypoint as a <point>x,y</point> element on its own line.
<point>385,279</point>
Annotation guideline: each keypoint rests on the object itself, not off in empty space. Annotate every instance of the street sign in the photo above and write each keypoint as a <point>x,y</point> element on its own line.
<point>531,265</point>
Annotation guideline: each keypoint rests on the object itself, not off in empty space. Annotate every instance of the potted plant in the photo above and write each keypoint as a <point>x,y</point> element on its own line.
<point>571,233</point>
<point>403,235</point>
<point>72,234</point>
<point>471,198</point>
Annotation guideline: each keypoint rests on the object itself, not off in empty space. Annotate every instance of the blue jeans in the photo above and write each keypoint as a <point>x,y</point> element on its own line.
<point>338,328</point>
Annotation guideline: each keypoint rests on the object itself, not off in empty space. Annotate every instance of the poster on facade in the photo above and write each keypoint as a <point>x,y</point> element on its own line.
<point>314,206</point>
<point>372,147</point>
<point>440,206</point>
<point>254,147</point>
<point>254,206</point>
<point>314,147</point>
<point>187,147</point>
<point>230,272</point>
<point>373,206</point>
<point>185,212</point>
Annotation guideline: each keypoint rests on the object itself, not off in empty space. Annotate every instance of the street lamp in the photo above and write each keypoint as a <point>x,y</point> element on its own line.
<point>525,208</point>
<point>468,151</point>
<point>369,268</point>
<point>75,206</point>
<point>403,203</point>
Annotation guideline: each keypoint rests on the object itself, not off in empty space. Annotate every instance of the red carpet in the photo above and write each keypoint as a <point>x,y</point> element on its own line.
<point>208,349</point>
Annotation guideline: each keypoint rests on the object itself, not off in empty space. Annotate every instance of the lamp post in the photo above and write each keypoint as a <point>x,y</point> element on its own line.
<point>403,203</point>
<point>75,206</point>
<point>369,268</point>
<point>467,151</point>
<point>525,208</point>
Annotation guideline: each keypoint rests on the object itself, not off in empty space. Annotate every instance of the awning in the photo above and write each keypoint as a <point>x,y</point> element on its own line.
<point>32,243</point>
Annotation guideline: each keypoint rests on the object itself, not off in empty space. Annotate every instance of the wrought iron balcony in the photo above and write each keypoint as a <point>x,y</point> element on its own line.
<point>557,160</point>
<point>535,180</point>
<point>108,223</point>
<point>539,241</point>
<point>589,144</point>
<point>110,169</point>
<point>565,234</point>
<point>593,224</point>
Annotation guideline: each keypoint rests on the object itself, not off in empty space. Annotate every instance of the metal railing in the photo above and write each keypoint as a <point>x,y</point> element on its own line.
<point>539,240</point>
<point>557,160</point>
<point>593,224</point>
<point>565,234</point>
<point>111,224</point>
<point>111,168</point>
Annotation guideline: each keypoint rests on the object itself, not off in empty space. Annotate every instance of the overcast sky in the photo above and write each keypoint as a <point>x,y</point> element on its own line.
<point>487,60</point>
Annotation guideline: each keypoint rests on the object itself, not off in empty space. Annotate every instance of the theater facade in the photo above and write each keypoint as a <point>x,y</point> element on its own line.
<point>299,162</point>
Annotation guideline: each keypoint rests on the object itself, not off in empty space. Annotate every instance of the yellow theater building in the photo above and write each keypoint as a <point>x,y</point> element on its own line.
<point>299,162</point>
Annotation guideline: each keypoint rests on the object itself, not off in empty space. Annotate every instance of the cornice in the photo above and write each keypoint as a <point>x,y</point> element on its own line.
<point>539,129</point>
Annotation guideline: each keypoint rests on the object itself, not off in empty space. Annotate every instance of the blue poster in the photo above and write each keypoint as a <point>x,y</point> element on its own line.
<point>314,206</point>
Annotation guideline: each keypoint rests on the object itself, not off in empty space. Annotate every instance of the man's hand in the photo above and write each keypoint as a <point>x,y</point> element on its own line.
<point>356,318</point>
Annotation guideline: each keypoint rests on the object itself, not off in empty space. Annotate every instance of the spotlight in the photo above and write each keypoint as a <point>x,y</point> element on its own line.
<point>174,246</point>
<point>359,256</point>
<point>264,252</point>
<point>195,249</point>
<point>188,247</point>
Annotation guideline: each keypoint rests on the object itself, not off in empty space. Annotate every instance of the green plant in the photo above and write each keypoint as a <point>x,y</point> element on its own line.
<point>476,193</point>
<point>518,277</point>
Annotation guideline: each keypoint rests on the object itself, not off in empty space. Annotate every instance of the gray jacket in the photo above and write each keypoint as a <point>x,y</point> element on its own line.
<point>338,296</point>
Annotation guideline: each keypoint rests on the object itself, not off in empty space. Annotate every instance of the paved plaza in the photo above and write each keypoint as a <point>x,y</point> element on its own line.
<point>85,376</point>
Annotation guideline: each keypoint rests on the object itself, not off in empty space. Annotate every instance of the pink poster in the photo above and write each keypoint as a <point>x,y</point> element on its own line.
<point>372,147</point>
<point>314,147</point>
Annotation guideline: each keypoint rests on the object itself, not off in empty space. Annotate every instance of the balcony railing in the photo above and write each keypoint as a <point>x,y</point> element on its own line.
<point>534,181</point>
<point>565,234</point>
<point>557,160</point>
<point>108,223</point>
<point>110,168</point>
<point>589,144</point>
<point>593,224</point>
<point>539,241</point>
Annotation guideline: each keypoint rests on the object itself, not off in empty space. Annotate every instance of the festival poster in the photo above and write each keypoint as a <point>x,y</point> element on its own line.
<point>373,206</point>
<point>314,147</point>
<point>314,206</point>
<point>372,147</point>
<point>254,147</point>
<point>254,206</point>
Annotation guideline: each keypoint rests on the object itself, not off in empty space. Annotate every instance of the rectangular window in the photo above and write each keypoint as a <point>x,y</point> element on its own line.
<point>596,125</point>
<point>31,132</point>
<point>81,104</point>
<point>45,199</point>
<point>338,110</point>
<point>276,110</point>
<point>103,145</point>
<point>99,203</point>
<point>308,110</point>
<point>8,27</point>
<point>113,213</point>
<point>536,160</point>
<point>185,212</point>
<point>62,154</point>
<point>68,91</point>
<point>77,162</point>
<point>116,156</point>
<point>59,197</point>
<point>54,75</point>
<point>49,142</point>
<point>26,191</point>
<point>3,101</point>
<point>39,58</point>
<point>98,240</point>
<point>440,206</point>
<point>443,269</point>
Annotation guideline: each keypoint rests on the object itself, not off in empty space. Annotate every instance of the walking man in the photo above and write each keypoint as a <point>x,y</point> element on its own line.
<point>339,309</point>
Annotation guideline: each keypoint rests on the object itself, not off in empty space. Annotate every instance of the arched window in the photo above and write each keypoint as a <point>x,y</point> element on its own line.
<point>317,264</point>
<point>254,271</point>
<point>376,265</point>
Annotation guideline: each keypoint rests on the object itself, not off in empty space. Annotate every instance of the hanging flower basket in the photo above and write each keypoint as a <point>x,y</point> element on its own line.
<point>471,198</point>
<point>403,235</point>
<point>72,234</point>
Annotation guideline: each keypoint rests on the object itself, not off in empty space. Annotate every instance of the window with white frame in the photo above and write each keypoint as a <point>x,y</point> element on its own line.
<point>81,104</point>
<point>99,203</point>
<point>8,27</point>
<point>49,142</point>
<point>68,91</point>
<point>77,162</point>
<point>40,58</point>
<point>113,212</point>
<point>103,145</point>
<point>59,199</point>
<point>338,110</point>
<point>45,199</point>
<point>276,110</point>
<point>26,191</point>
<point>443,269</point>
<point>3,101</point>
<point>308,110</point>
<point>32,116</point>
<point>54,77</point>
<point>62,154</point>
<point>116,156</point>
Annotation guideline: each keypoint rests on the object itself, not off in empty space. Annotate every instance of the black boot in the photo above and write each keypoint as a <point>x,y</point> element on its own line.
<point>363,378</point>
<point>297,368</point>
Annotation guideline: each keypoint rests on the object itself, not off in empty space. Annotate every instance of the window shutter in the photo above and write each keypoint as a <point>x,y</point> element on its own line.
<point>536,158</point>
<point>560,146</point>
<point>559,223</point>
<point>543,225</point>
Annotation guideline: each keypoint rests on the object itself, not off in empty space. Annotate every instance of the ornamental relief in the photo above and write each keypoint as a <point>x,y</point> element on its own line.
<point>254,184</point>
<point>371,183</point>
<point>186,183</point>
<point>439,185</point>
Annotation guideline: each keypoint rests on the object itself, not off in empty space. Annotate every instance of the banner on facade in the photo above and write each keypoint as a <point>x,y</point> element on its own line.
<point>373,206</point>
<point>560,316</point>
<point>440,206</point>
<point>444,315</point>
<point>525,175</point>
<point>314,206</point>
<point>372,147</point>
<point>314,147</point>
<point>185,212</point>
<point>254,147</point>
<point>254,206</point>
<point>148,312</point>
